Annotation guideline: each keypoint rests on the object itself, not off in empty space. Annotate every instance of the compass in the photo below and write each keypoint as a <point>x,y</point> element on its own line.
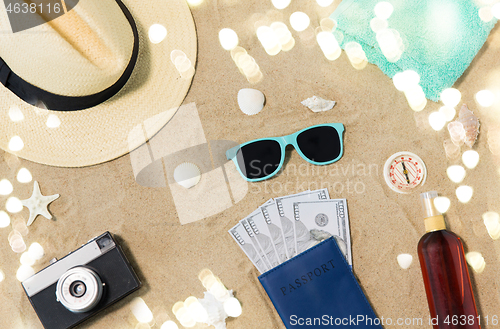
<point>404,171</point>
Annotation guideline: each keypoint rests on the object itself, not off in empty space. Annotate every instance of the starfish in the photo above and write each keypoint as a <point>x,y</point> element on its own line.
<point>37,204</point>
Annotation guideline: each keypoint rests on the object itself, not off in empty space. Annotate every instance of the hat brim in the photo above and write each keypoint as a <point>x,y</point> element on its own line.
<point>147,102</point>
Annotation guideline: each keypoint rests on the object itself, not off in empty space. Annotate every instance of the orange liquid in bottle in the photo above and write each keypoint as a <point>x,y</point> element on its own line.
<point>446,277</point>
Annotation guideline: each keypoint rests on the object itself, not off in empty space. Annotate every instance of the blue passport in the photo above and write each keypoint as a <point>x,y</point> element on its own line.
<point>316,289</point>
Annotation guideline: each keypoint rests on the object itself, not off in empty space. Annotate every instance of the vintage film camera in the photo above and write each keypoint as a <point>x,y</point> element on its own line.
<point>84,282</point>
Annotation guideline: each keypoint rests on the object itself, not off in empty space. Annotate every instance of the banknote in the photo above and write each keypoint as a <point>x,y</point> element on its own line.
<point>262,233</point>
<point>319,220</point>
<point>254,240</point>
<point>241,236</point>
<point>284,206</point>
<point>272,222</point>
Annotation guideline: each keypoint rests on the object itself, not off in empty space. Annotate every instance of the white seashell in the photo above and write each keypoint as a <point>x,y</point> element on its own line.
<point>318,104</point>
<point>457,132</point>
<point>215,310</point>
<point>251,101</point>
<point>187,174</point>
<point>471,125</point>
<point>405,260</point>
<point>452,151</point>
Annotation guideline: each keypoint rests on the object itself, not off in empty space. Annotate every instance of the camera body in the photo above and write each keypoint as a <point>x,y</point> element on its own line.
<point>84,282</point>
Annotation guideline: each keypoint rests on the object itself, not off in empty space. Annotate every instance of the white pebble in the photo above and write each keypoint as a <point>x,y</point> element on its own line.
<point>405,260</point>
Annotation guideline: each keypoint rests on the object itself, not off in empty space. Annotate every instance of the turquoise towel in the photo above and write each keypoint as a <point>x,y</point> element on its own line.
<point>441,37</point>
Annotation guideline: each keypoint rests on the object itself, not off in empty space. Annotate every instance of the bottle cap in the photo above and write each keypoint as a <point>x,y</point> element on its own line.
<point>427,199</point>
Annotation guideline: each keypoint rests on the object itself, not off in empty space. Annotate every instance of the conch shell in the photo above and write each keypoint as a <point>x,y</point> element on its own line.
<point>318,104</point>
<point>471,125</point>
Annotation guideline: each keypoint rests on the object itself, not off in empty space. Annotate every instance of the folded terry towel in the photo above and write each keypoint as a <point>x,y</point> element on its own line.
<point>440,37</point>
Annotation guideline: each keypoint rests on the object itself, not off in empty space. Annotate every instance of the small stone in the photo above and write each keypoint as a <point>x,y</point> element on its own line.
<point>405,260</point>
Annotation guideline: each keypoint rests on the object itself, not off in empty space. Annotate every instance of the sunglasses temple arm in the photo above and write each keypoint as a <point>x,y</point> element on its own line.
<point>231,153</point>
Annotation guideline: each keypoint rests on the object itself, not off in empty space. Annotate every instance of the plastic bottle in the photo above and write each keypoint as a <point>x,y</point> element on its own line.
<point>445,273</point>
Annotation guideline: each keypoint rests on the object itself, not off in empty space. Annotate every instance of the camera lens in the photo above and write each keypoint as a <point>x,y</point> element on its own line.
<point>77,289</point>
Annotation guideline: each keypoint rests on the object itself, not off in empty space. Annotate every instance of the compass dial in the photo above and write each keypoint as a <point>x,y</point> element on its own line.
<point>404,171</point>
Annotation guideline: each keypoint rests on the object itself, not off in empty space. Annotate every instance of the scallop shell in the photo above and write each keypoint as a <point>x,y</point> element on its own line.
<point>471,125</point>
<point>187,174</point>
<point>452,151</point>
<point>251,101</point>
<point>457,132</point>
<point>318,104</point>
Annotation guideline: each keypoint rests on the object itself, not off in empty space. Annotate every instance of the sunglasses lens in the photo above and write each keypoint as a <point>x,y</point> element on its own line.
<point>320,144</point>
<point>259,159</point>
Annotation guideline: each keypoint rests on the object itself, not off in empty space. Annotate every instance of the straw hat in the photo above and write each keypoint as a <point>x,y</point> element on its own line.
<point>92,57</point>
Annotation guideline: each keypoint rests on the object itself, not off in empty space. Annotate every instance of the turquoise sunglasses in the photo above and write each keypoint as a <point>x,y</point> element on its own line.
<point>261,159</point>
